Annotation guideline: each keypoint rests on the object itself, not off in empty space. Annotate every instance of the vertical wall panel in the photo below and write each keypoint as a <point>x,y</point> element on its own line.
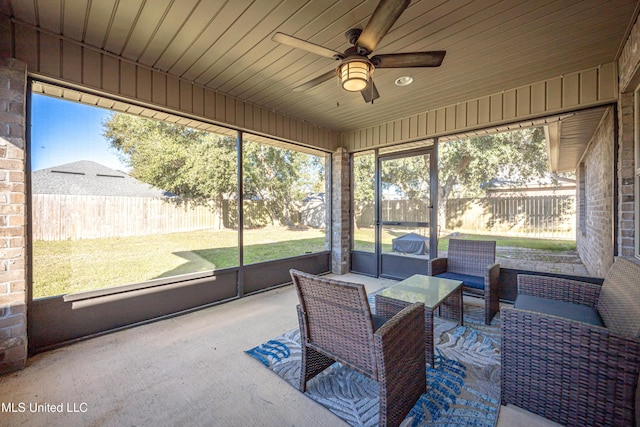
<point>472,113</point>
<point>496,107</point>
<point>484,110</point>
<point>554,94</point>
<point>432,123</point>
<point>198,100</point>
<point>248,115</point>
<point>110,74</point>
<point>523,101</point>
<point>461,115</point>
<point>413,126</point>
<point>589,86</point>
<point>607,83</point>
<point>173,92</point>
<point>143,84</point>
<point>441,120</point>
<point>538,97</point>
<point>283,126</point>
<point>273,127</point>
<point>159,85</point>
<point>404,128</point>
<point>551,96</point>
<point>279,124</point>
<point>49,52</point>
<point>186,96</point>
<point>230,110</point>
<point>450,118</point>
<point>221,107</point>
<point>26,47</point>
<point>509,105</point>
<point>264,124</point>
<point>422,124</point>
<point>6,38</point>
<point>210,104</point>
<point>71,62</point>
<point>299,131</point>
<point>127,79</point>
<point>390,135</point>
<point>91,68</point>
<point>397,130</point>
<point>571,90</point>
<point>376,135</point>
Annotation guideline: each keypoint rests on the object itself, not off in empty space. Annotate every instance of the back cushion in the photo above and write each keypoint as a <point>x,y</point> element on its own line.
<point>619,301</point>
<point>470,256</point>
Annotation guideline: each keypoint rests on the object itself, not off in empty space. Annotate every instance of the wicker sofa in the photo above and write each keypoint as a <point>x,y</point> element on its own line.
<point>571,350</point>
<point>473,262</point>
<point>336,324</point>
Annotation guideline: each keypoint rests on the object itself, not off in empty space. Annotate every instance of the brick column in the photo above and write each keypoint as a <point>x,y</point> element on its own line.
<point>341,210</point>
<point>13,299</point>
<point>626,176</point>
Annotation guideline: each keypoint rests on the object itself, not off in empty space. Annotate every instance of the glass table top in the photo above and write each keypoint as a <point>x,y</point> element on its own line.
<point>429,290</point>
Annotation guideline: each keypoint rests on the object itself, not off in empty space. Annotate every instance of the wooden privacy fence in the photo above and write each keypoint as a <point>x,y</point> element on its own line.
<point>70,217</point>
<point>531,216</point>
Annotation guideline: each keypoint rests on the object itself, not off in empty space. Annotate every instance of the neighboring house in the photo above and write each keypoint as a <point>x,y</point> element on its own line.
<point>87,178</point>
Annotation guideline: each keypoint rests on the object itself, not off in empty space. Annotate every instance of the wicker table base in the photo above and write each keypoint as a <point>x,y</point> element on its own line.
<point>442,294</point>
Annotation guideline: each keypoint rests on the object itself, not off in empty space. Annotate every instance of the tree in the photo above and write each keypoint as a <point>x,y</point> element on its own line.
<point>471,166</point>
<point>467,167</point>
<point>201,167</point>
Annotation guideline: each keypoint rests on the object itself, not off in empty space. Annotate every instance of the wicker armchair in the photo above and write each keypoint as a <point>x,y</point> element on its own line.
<point>474,263</point>
<point>578,362</point>
<point>336,324</point>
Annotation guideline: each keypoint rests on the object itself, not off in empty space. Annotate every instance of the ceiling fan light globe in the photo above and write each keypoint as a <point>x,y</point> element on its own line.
<point>354,75</point>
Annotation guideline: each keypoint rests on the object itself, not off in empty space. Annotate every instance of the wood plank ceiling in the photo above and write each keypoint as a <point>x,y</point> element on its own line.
<point>491,45</point>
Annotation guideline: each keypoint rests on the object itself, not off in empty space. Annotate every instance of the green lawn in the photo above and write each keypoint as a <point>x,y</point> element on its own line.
<point>74,266</point>
<point>365,237</point>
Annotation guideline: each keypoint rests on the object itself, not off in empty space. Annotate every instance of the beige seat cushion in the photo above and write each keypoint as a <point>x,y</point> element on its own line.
<point>619,301</point>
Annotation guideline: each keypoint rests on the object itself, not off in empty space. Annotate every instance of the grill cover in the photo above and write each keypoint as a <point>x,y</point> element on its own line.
<point>411,243</point>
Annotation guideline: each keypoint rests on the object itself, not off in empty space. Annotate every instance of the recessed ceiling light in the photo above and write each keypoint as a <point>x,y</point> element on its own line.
<point>404,81</point>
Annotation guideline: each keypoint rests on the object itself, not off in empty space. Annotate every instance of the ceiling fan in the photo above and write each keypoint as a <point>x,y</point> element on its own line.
<point>355,68</point>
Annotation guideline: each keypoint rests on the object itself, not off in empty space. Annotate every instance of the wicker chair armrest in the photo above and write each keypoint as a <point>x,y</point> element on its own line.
<point>406,325</point>
<point>436,266</point>
<point>401,360</point>
<point>557,288</point>
<point>492,274</point>
<point>540,352</point>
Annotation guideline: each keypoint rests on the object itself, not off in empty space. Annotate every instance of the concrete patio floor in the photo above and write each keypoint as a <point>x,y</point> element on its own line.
<point>186,370</point>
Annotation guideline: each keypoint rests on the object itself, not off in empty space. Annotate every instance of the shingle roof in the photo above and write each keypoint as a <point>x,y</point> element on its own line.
<point>90,179</point>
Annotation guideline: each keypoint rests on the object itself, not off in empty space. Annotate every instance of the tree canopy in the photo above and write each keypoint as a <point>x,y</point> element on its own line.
<point>466,167</point>
<point>201,167</point>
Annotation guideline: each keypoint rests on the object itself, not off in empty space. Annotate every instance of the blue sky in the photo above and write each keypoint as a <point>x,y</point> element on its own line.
<point>64,132</point>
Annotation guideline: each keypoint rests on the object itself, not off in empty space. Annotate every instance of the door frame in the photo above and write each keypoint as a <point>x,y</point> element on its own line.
<point>406,266</point>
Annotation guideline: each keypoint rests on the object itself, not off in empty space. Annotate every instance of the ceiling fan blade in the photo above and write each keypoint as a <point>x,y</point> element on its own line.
<point>305,45</point>
<point>316,81</point>
<point>370,93</point>
<point>405,60</point>
<point>385,15</point>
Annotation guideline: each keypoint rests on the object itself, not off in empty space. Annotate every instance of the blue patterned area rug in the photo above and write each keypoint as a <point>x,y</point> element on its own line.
<point>463,388</point>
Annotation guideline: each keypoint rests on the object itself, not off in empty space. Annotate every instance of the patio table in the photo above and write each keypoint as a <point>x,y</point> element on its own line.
<point>434,292</point>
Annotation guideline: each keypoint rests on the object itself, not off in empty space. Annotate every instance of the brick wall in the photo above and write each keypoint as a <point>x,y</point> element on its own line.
<point>13,321</point>
<point>595,242</point>
<point>629,79</point>
<point>341,206</point>
<point>626,216</point>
